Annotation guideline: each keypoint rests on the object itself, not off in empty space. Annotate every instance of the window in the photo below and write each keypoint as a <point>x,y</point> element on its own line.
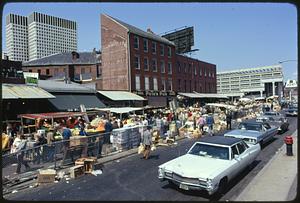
<point>136,42</point>
<point>163,84</point>
<point>178,67</point>
<point>205,72</point>
<point>169,68</point>
<point>241,148</point>
<point>154,65</point>
<point>137,82</point>
<point>47,72</point>
<point>170,88</point>
<point>146,64</point>
<point>162,67</point>
<point>137,62</point>
<point>195,70</point>
<point>162,49</point>
<point>155,87</point>
<point>169,51</point>
<point>146,83</point>
<point>234,151</point>
<point>153,47</point>
<point>190,67</point>
<point>145,45</point>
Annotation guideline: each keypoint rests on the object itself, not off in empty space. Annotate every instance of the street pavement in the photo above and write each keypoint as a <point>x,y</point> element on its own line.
<point>127,177</point>
<point>278,175</point>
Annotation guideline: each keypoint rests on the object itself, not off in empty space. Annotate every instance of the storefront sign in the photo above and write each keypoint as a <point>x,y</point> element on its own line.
<point>31,78</point>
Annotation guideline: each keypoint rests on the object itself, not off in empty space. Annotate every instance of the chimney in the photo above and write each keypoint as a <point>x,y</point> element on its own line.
<point>75,55</point>
<point>150,31</point>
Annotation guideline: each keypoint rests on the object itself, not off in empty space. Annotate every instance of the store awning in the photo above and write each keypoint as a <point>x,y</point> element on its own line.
<point>121,96</point>
<point>203,95</point>
<point>221,105</point>
<point>17,91</point>
<point>120,109</point>
<point>190,95</point>
<point>65,101</point>
<point>52,115</point>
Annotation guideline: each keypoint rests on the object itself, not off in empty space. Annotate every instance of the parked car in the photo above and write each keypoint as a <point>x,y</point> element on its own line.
<point>254,132</point>
<point>275,118</point>
<point>292,110</point>
<point>209,164</point>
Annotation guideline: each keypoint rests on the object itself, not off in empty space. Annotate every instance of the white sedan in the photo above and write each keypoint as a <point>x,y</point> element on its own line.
<point>209,164</point>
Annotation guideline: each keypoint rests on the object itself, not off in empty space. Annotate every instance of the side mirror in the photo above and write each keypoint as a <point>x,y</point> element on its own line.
<point>236,156</point>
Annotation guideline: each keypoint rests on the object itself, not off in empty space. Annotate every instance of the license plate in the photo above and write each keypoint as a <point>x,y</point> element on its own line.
<point>183,186</point>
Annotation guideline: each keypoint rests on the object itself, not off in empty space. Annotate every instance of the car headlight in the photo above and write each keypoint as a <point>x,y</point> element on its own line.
<point>209,183</point>
<point>161,172</point>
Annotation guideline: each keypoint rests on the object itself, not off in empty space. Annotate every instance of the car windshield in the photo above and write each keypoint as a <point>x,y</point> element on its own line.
<point>249,126</point>
<point>210,151</point>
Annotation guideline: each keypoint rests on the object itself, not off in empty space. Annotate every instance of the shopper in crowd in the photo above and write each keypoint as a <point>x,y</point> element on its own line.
<point>66,134</point>
<point>115,124</point>
<point>18,147</point>
<point>210,122</point>
<point>108,128</point>
<point>201,123</point>
<point>81,127</point>
<point>49,149</point>
<point>228,120</point>
<point>144,121</point>
<point>147,142</point>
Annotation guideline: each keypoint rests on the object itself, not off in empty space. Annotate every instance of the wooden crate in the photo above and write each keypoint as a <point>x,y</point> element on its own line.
<point>76,171</point>
<point>78,140</point>
<point>46,176</point>
<point>88,163</point>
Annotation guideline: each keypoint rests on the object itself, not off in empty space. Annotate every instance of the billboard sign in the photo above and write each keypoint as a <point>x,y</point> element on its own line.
<point>183,39</point>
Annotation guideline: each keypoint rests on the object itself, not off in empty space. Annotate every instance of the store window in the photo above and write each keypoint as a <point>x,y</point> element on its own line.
<point>146,83</point>
<point>137,82</point>
<point>155,86</point>
<point>163,84</point>
<point>169,52</point>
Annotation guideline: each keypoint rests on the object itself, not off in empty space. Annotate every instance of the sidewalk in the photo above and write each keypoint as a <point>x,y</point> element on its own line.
<point>274,181</point>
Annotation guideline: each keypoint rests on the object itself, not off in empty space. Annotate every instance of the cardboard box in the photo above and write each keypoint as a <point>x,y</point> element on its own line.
<point>76,171</point>
<point>78,140</point>
<point>46,176</point>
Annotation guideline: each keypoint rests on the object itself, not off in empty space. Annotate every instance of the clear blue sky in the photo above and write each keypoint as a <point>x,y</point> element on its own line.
<point>231,35</point>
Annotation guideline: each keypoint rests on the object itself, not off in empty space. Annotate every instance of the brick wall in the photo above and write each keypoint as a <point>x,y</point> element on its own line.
<point>114,46</point>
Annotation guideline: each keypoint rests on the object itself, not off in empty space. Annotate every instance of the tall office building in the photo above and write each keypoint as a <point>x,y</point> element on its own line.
<point>17,37</point>
<point>49,35</point>
<point>39,35</point>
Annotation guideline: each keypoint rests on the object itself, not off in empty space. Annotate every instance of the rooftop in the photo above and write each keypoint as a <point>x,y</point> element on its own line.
<point>61,86</point>
<point>142,33</point>
<point>65,59</point>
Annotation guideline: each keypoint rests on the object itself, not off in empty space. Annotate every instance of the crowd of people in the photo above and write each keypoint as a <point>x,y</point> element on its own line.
<point>48,133</point>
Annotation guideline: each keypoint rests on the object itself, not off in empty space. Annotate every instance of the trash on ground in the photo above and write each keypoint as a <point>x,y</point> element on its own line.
<point>96,172</point>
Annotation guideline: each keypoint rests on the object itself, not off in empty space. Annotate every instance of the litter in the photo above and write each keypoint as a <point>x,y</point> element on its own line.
<point>96,172</point>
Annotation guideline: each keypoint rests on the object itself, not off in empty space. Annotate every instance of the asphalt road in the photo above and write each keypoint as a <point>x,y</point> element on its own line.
<point>132,178</point>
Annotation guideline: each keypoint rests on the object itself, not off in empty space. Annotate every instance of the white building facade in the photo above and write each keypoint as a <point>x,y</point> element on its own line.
<point>262,81</point>
<point>44,35</point>
<point>17,37</point>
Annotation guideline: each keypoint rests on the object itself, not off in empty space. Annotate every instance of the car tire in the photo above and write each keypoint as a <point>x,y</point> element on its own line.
<point>222,186</point>
<point>261,144</point>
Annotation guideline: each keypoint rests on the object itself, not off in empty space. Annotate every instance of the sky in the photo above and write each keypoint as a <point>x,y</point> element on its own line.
<point>230,35</point>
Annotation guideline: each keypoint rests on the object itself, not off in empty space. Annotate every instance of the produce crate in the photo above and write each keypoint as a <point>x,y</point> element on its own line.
<point>77,171</point>
<point>46,176</point>
<point>88,163</point>
<point>77,140</point>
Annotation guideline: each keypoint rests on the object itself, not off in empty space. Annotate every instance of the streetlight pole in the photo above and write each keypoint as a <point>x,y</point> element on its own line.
<point>280,62</point>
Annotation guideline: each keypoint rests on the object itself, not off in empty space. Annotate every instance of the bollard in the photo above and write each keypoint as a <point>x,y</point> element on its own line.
<point>289,145</point>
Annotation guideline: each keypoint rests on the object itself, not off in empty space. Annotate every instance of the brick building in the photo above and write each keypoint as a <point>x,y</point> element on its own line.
<point>145,63</point>
<point>83,67</point>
